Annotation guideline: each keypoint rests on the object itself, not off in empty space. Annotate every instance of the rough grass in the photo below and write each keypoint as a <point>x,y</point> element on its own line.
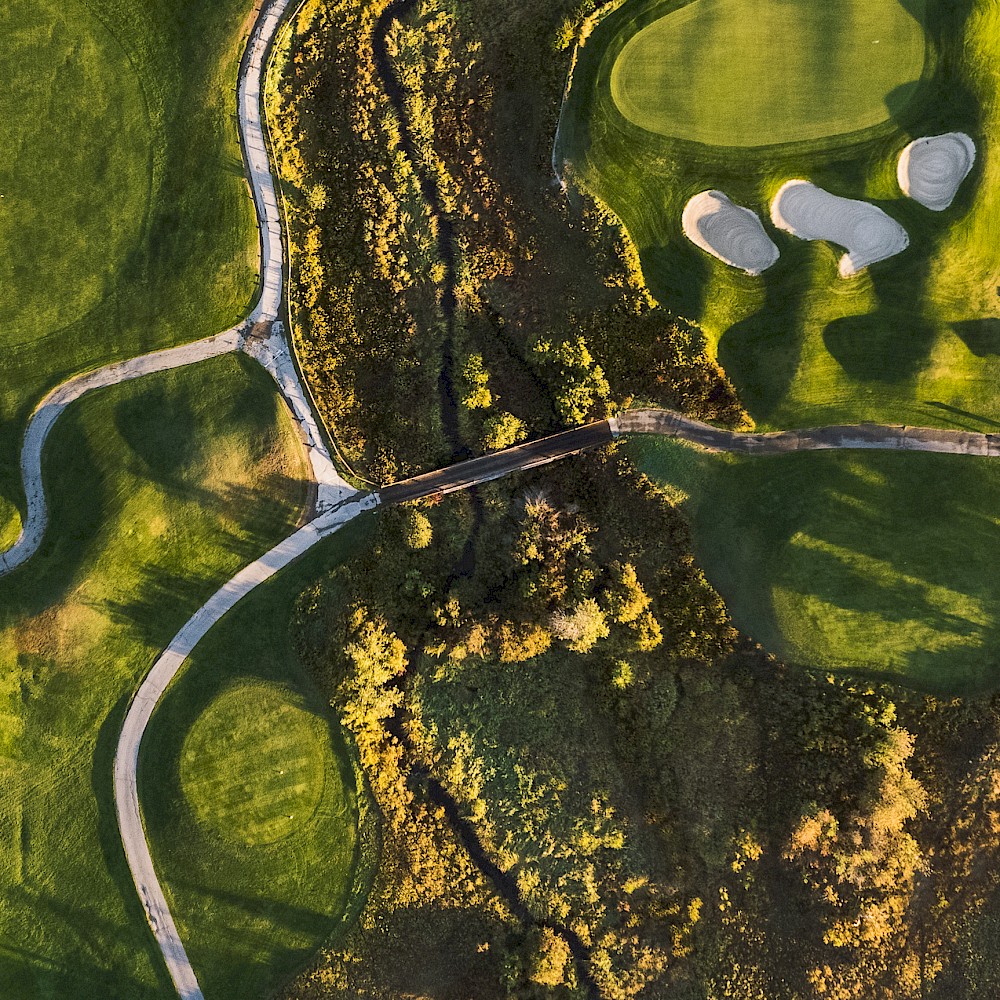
<point>915,339</point>
<point>249,797</point>
<point>760,72</point>
<point>125,223</point>
<point>809,567</point>
<point>161,489</point>
<point>874,561</point>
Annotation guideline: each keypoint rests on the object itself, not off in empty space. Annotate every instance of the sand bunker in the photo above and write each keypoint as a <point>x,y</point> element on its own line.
<point>932,168</point>
<point>727,231</point>
<point>864,231</point>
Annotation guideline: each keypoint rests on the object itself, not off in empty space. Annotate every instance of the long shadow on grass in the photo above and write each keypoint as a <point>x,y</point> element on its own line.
<point>761,353</point>
<point>892,524</point>
<point>102,785</point>
<point>81,979</point>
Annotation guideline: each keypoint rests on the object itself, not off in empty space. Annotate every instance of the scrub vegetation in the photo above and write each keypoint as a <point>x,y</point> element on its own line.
<point>589,782</point>
<point>249,795</point>
<point>126,223</point>
<point>161,489</point>
<point>533,323</point>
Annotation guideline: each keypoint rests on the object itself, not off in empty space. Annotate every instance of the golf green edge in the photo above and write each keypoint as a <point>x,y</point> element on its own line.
<point>824,559</point>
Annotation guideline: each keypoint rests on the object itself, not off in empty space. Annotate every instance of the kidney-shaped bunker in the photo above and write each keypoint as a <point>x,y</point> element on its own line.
<point>864,231</point>
<point>932,168</point>
<point>728,231</point>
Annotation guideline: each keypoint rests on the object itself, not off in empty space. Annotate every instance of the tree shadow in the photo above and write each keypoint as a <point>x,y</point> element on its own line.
<point>761,353</point>
<point>980,336</point>
<point>161,429</point>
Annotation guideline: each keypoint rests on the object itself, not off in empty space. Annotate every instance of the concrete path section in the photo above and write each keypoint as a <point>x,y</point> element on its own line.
<point>845,436</point>
<point>48,411</point>
<point>266,341</point>
<point>163,671</point>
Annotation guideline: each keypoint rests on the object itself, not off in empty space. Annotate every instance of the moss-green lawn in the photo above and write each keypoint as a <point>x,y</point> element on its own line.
<point>125,224</point>
<point>161,489</point>
<point>249,796</point>
<point>761,72</point>
<point>914,340</point>
<point>878,560</point>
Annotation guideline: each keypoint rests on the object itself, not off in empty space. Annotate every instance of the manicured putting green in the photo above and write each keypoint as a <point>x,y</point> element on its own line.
<point>759,72</point>
<point>878,561</point>
<point>254,765</point>
<point>248,793</point>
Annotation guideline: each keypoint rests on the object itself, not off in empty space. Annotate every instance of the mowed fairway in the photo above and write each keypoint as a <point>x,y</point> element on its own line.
<point>160,490</point>
<point>125,223</point>
<point>759,72</point>
<point>249,796</point>
<point>912,340</point>
<point>878,561</point>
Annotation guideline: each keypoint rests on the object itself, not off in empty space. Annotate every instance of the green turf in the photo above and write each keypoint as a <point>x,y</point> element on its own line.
<point>161,489</point>
<point>253,766</point>
<point>916,339</point>
<point>760,72</point>
<point>249,797</point>
<point>913,340</point>
<point>125,221</point>
<point>878,561</point>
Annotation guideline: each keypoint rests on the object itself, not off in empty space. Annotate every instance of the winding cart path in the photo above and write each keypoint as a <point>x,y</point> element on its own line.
<point>261,336</point>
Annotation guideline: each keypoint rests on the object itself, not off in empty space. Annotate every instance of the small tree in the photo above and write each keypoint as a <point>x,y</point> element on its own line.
<point>502,430</point>
<point>417,532</point>
<point>551,960</point>
<point>582,627</point>
<point>477,394</point>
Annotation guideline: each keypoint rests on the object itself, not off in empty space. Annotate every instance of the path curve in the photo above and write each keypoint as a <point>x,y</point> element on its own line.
<point>899,437</point>
<point>144,703</point>
<point>262,337</point>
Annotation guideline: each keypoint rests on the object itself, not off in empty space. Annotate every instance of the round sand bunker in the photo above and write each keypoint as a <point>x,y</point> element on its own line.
<point>931,169</point>
<point>864,231</point>
<point>728,231</point>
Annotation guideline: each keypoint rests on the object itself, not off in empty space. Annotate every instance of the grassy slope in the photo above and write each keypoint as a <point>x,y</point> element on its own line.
<point>162,488</point>
<point>257,885</point>
<point>126,224</point>
<point>916,339</point>
<point>758,72</point>
<point>882,560</point>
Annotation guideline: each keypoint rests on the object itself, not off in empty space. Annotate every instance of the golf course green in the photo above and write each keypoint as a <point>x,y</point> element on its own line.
<point>124,215</point>
<point>914,339</point>
<point>760,72</point>
<point>160,490</point>
<point>249,797</point>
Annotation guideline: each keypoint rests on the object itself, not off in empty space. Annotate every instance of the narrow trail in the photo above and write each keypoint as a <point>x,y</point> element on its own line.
<point>898,437</point>
<point>261,336</point>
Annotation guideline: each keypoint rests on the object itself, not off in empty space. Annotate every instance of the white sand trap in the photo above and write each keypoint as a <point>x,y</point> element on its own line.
<point>931,169</point>
<point>864,231</point>
<point>730,232</point>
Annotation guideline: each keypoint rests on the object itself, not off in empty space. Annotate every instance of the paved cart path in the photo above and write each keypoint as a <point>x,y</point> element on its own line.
<point>261,336</point>
<point>900,437</point>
